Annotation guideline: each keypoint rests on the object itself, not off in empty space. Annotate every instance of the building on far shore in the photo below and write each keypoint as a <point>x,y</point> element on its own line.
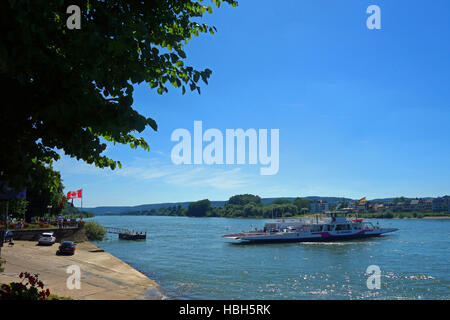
<point>318,206</point>
<point>362,206</point>
<point>427,205</point>
<point>439,204</point>
<point>414,205</point>
<point>379,207</point>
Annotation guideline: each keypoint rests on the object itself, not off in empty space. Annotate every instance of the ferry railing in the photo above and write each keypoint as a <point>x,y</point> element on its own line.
<point>123,231</point>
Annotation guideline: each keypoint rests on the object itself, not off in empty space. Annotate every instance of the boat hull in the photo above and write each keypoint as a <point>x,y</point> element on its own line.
<point>124,236</point>
<point>309,237</point>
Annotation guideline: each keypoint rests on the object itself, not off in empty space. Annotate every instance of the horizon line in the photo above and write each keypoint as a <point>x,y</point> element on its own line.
<point>284,197</point>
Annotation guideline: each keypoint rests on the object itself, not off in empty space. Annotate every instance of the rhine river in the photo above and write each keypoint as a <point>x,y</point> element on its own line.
<point>190,260</point>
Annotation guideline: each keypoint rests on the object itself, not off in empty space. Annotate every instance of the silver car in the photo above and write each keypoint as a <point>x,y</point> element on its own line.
<point>47,238</point>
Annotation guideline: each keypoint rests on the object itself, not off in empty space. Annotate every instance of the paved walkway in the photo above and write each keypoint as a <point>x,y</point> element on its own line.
<point>103,276</point>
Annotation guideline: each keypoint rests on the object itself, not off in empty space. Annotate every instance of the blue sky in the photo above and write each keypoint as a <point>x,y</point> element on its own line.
<point>360,112</point>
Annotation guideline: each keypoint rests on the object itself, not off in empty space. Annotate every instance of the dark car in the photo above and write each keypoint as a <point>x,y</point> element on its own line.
<point>67,247</point>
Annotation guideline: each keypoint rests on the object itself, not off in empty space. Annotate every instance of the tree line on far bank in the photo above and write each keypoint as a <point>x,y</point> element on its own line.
<point>251,206</point>
<point>238,206</point>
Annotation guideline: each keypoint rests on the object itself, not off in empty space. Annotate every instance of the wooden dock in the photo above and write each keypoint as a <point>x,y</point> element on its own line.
<point>126,234</point>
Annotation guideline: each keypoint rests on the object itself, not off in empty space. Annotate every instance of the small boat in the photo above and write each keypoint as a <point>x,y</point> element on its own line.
<point>125,234</point>
<point>133,236</point>
<point>311,230</point>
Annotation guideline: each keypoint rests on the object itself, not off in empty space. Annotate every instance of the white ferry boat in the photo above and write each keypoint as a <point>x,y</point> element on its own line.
<point>311,230</point>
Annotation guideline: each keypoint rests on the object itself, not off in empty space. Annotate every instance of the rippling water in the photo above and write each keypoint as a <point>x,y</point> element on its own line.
<point>188,257</point>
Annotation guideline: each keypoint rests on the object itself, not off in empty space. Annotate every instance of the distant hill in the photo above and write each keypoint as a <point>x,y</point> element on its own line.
<point>391,199</point>
<point>383,199</point>
<point>115,210</point>
<point>111,210</point>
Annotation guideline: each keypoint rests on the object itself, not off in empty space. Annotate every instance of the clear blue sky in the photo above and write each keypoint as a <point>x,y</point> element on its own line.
<point>360,112</point>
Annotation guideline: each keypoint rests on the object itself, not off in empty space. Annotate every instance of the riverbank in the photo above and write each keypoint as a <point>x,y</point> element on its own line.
<point>103,276</point>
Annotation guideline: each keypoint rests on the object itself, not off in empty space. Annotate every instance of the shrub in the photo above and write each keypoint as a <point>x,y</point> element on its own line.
<point>94,231</point>
<point>2,262</point>
<point>30,288</point>
<point>389,215</point>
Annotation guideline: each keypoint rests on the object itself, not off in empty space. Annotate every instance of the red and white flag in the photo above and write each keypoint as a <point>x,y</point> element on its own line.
<point>74,194</point>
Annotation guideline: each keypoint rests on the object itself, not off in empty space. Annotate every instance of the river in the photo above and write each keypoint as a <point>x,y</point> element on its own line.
<point>191,260</point>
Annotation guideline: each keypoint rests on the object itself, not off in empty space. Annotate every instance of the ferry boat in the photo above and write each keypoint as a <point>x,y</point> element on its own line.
<point>311,230</point>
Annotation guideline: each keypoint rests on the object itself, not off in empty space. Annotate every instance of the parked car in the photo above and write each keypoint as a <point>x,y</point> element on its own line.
<point>67,247</point>
<point>47,238</point>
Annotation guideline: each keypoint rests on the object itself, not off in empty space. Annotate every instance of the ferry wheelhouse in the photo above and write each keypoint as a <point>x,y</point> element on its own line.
<point>311,230</point>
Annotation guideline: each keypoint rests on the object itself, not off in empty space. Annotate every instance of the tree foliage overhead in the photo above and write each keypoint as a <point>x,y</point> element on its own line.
<point>17,207</point>
<point>46,189</point>
<point>66,89</point>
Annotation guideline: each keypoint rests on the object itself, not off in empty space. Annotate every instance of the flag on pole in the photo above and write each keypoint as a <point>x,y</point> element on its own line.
<point>62,201</point>
<point>362,200</point>
<point>74,194</point>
